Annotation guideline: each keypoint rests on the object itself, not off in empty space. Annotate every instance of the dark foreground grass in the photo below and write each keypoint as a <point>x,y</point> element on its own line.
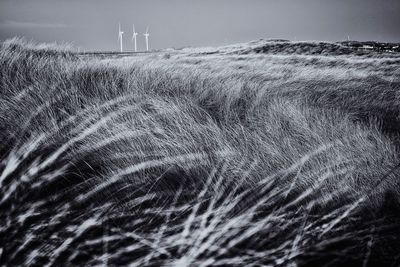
<point>198,159</point>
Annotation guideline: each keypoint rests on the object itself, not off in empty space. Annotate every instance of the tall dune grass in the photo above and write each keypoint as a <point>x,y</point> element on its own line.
<point>196,160</point>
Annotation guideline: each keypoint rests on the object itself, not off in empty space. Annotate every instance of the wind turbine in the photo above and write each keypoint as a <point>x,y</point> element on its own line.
<point>134,37</point>
<point>120,33</point>
<point>146,35</point>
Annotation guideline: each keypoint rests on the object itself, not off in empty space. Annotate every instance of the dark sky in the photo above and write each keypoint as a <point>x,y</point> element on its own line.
<point>93,24</point>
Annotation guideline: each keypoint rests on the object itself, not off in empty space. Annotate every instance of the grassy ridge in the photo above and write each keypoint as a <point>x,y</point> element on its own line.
<point>196,158</point>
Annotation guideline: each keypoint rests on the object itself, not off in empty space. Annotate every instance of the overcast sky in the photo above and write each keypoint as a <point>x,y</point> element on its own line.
<point>93,24</point>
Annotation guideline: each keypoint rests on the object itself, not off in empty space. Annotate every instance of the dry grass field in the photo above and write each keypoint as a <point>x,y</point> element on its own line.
<point>269,153</point>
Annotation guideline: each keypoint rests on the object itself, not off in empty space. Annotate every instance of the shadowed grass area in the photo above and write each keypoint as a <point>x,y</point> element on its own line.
<point>197,159</point>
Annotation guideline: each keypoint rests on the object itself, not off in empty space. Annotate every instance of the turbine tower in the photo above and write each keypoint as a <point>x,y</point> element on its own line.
<point>146,35</point>
<point>134,37</point>
<point>120,33</point>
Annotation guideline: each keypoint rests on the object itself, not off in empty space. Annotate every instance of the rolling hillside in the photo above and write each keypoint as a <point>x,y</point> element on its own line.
<point>270,153</point>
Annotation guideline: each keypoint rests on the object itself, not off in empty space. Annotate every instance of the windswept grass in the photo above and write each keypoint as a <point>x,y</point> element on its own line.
<point>197,159</point>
